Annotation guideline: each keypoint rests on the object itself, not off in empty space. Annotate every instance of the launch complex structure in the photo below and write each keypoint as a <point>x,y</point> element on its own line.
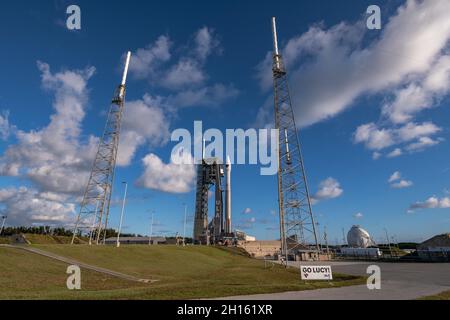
<point>95,206</point>
<point>297,225</point>
<point>219,230</point>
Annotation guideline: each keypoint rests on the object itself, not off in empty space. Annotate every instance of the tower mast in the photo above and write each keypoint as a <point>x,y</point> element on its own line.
<point>297,225</point>
<point>100,185</point>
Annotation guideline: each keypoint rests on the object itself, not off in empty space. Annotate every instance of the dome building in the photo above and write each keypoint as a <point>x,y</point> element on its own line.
<point>357,237</point>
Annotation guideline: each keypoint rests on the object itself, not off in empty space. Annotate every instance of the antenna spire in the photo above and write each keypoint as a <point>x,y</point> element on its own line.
<point>125,71</point>
<point>276,53</point>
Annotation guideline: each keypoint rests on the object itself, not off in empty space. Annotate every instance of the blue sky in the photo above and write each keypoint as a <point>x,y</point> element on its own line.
<point>370,103</point>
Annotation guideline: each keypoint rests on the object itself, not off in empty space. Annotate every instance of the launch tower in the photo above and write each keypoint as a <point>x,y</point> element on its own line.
<point>297,226</point>
<point>94,209</point>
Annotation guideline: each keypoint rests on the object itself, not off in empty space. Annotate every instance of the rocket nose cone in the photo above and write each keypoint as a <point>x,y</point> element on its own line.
<point>228,161</point>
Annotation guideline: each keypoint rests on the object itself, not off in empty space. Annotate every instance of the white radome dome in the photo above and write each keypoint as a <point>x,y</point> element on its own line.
<point>357,237</point>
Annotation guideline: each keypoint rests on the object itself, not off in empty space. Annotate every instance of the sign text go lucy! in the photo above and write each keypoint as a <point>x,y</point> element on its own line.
<point>316,273</point>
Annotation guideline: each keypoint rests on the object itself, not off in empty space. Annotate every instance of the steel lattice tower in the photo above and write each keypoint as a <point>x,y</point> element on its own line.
<point>297,226</point>
<point>94,209</point>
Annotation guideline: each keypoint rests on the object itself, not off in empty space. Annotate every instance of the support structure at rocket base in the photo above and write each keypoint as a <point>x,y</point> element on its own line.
<point>219,230</point>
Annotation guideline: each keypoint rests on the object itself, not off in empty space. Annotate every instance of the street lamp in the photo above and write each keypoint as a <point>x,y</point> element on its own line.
<point>184,227</point>
<point>150,242</point>
<point>389,242</point>
<point>93,224</point>
<point>121,215</point>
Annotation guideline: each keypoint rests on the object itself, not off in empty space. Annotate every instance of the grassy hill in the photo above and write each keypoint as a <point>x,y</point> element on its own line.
<point>183,273</point>
<point>45,239</point>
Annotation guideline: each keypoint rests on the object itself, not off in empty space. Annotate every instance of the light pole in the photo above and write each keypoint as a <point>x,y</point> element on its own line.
<point>389,242</point>
<point>121,215</point>
<point>150,242</point>
<point>93,223</point>
<point>3,224</point>
<point>184,226</point>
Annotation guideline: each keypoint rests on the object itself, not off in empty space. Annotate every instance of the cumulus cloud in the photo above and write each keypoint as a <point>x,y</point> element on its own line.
<point>329,188</point>
<point>247,211</point>
<point>146,60</point>
<point>397,182</point>
<point>413,136</point>
<point>183,75</point>
<point>397,152</point>
<point>53,157</point>
<point>408,63</point>
<point>186,72</point>
<point>23,205</point>
<point>423,93</point>
<point>56,159</point>
<point>5,127</point>
<point>358,215</point>
<point>395,176</point>
<point>177,176</point>
<point>136,131</point>
<point>431,203</point>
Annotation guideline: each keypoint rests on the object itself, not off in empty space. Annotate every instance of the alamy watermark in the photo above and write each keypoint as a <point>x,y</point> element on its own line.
<point>73,21</point>
<point>74,279</point>
<point>249,146</point>
<point>373,21</point>
<point>374,280</point>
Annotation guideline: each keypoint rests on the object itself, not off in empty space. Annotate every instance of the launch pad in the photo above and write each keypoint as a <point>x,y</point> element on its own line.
<point>218,231</point>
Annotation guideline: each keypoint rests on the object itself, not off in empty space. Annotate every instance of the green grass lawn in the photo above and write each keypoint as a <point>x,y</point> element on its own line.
<point>183,273</point>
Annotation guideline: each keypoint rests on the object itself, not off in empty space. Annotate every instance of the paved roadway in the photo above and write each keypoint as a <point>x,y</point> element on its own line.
<point>399,281</point>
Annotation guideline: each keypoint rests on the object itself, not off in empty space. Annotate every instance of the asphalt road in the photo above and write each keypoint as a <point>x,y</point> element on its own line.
<point>399,281</point>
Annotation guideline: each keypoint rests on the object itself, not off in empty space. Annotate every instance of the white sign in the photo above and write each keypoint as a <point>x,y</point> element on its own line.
<point>316,273</point>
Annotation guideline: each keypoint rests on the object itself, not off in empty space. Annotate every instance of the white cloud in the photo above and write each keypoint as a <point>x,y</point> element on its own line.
<point>145,61</point>
<point>395,176</point>
<point>431,203</point>
<point>376,155</point>
<point>397,182</point>
<point>329,188</point>
<point>144,122</point>
<point>421,94</point>
<point>56,159</point>
<point>53,157</point>
<point>187,72</point>
<point>402,184</point>
<point>408,64</point>
<point>397,152</point>
<point>247,211</point>
<point>172,177</point>
<point>24,206</point>
<point>5,127</point>
<point>423,143</point>
<point>206,42</point>
<point>372,137</point>
<point>375,138</point>
<point>358,215</point>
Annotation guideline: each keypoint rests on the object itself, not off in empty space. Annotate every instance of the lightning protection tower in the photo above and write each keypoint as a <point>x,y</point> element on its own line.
<point>97,196</point>
<point>297,226</point>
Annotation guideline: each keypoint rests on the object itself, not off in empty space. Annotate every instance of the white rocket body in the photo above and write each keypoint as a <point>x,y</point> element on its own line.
<point>228,228</point>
